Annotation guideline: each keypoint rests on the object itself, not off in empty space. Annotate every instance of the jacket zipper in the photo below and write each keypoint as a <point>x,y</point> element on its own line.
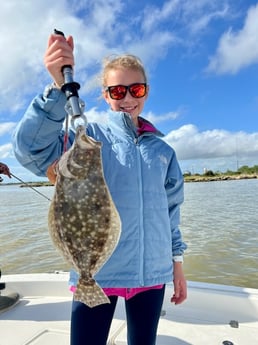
<point>141,234</point>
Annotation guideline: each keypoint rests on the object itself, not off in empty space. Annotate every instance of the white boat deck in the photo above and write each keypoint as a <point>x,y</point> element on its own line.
<point>209,316</point>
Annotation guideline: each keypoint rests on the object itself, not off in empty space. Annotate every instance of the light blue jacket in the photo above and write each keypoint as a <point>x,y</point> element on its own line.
<point>144,180</point>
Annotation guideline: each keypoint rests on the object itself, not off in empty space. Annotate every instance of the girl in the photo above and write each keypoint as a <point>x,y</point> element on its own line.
<point>146,185</point>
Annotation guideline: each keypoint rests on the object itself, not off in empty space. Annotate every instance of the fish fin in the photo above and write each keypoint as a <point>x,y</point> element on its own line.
<point>90,293</point>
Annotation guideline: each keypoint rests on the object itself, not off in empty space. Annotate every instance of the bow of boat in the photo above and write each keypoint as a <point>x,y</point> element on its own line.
<point>212,314</point>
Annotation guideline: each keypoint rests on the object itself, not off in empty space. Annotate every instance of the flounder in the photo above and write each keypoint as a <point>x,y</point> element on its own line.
<point>83,221</point>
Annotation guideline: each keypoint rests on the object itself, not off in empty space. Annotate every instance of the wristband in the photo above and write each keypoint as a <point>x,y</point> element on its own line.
<point>178,258</point>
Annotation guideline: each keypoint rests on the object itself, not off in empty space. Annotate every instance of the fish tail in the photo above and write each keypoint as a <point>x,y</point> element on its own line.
<point>90,293</point>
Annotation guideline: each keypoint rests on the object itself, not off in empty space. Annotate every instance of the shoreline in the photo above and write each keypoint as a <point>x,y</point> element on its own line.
<point>187,179</point>
<point>221,177</point>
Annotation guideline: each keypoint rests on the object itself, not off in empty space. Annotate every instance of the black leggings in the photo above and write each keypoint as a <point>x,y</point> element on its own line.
<point>90,326</point>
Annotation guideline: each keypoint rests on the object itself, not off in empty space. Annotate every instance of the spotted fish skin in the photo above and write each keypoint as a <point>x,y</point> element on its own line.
<point>83,221</point>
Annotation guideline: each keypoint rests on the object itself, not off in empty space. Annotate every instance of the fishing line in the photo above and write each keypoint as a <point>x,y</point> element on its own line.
<point>28,185</point>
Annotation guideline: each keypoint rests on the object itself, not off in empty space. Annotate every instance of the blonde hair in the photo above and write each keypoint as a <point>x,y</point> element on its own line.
<point>127,61</point>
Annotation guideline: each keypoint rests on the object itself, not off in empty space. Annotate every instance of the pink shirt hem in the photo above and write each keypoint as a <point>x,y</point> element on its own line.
<point>124,292</point>
<point>128,292</point>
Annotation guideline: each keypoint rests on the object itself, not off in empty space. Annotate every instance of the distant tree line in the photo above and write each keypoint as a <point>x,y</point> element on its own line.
<point>244,170</point>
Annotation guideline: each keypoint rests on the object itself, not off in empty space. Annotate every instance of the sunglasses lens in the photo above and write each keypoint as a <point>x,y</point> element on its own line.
<point>117,92</point>
<point>138,90</point>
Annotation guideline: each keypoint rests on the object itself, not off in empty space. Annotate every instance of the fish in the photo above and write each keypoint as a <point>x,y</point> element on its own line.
<point>83,221</point>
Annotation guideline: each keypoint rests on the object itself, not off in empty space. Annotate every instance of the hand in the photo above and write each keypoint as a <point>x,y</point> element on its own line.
<point>51,172</point>
<point>59,53</point>
<point>4,170</point>
<point>180,286</point>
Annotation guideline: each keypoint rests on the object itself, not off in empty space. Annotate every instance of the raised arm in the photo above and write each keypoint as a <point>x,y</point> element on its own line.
<point>38,138</point>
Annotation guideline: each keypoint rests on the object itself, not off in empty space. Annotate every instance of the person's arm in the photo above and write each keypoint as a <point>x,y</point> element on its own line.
<point>175,194</point>
<point>38,138</point>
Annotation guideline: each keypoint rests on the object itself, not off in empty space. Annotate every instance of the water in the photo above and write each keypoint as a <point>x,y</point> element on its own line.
<point>220,225</point>
<point>219,222</point>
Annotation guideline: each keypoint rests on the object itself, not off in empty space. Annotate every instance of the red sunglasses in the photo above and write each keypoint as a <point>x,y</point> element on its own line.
<point>117,92</point>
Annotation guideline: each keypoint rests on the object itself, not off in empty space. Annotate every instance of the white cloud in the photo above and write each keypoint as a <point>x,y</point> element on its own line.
<point>6,150</point>
<point>153,15</point>
<point>204,20</point>
<point>185,15</point>
<point>172,115</point>
<point>93,115</point>
<point>190,143</point>
<point>237,49</point>
<point>6,127</point>
<point>102,27</point>
<point>25,27</point>
<point>98,29</point>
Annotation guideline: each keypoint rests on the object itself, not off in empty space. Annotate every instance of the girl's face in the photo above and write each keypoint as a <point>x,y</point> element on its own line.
<point>128,104</point>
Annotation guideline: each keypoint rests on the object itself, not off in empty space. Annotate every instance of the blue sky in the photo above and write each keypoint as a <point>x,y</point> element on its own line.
<point>201,58</point>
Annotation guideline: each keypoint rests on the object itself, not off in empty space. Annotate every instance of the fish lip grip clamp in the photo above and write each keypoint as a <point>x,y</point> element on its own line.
<point>74,105</point>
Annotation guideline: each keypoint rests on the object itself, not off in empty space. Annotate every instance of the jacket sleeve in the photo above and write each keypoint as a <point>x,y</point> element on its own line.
<point>175,194</point>
<point>38,137</point>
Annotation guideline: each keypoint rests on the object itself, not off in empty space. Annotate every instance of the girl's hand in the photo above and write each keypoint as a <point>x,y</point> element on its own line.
<point>4,170</point>
<point>59,53</point>
<point>180,286</point>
